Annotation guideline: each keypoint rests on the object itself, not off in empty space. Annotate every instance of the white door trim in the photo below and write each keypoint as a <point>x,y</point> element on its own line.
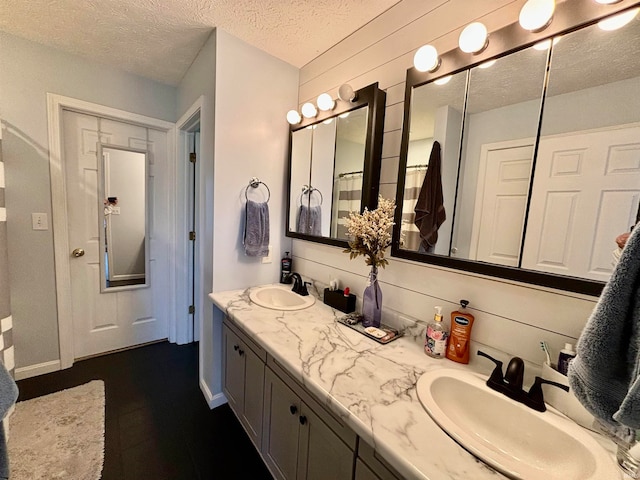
<point>55,105</point>
<point>184,333</point>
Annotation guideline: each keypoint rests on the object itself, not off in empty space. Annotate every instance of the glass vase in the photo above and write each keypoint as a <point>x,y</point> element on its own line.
<point>372,301</point>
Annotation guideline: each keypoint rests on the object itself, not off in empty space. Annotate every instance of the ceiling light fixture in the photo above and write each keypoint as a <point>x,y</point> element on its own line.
<point>536,15</point>
<point>474,38</point>
<point>346,93</point>
<point>618,21</point>
<point>426,59</point>
<point>293,117</point>
<point>325,102</point>
<point>309,110</point>
<point>443,80</point>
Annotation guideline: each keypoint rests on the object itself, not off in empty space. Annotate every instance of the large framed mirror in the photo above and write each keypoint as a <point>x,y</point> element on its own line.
<point>538,165</point>
<point>123,217</point>
<point>334,167</point>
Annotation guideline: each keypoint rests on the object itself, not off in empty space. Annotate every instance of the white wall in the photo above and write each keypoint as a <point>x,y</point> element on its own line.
<point>28,72</point>
<point>510,317</point>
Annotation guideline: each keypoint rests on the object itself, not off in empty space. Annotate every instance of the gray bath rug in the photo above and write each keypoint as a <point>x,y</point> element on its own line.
<point>59,436</point>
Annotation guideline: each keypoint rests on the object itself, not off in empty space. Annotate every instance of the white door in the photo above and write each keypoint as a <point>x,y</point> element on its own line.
<point>585,193</point>
<point>501,200</point>
<point>114,319</point>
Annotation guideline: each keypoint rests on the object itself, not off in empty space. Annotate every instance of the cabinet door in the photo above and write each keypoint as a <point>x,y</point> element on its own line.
<point>281,428</point>
<point>322,454</point>
<point>363,472</point>
<point>253,396</point>
<point>234,369</point>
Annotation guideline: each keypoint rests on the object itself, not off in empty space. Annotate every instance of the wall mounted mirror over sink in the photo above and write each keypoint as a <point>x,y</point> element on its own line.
<point>123,217</point>
<point>334,167</point>
<point>539,153</point>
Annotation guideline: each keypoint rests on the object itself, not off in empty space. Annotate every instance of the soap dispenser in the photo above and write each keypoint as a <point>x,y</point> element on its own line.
<point>461,323</point>
<point>435,343</point>
<point>285,268</point>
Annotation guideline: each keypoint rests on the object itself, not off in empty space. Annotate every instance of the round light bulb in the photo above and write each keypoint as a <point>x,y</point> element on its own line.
<point>325,102</point>
<point>344,115</point>
<point>487,64</point>
<point>443,80</point>
<point>309,110</point>
<point>607,2</point>
<point>618,21</point>
<point>535,15</point>
<point>346,93</point>
<point>426,59</point>
<point>474,38</point>
<point>293,117</point>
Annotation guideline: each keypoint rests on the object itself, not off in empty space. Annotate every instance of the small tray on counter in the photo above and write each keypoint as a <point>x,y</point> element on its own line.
<point>358,327</point>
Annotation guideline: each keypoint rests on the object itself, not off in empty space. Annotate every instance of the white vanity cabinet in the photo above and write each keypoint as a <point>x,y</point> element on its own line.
<point>243,379</point>
<point>369,466</point>
<point>301,440</point>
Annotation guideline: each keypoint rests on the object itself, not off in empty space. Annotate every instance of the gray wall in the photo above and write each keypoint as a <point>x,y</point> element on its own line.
<point>6,331</point>
<point>28,72</point>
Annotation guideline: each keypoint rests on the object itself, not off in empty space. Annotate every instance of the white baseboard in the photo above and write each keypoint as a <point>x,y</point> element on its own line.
<point>212,400</point>
<point>37,369</point>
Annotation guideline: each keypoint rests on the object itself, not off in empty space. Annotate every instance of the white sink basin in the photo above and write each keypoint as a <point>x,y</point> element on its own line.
<point>279,297</point>
<point>514,439</point>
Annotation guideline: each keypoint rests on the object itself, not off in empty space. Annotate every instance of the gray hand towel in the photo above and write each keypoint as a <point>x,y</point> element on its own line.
<point>604,375</point>
<point>310,220</point>
<point>429,209</point>
<point>256,229</point>
<point>8,397</point>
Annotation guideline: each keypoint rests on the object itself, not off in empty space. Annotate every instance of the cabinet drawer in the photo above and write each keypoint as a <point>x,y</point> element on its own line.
<point>257,349</point>
<point>374,463</point>
<point>345,433</point>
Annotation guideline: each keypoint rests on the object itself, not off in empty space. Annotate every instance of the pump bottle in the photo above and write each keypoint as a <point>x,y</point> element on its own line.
<point>435,343</point>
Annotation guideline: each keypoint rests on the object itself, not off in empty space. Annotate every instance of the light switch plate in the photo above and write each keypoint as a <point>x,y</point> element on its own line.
<point>268,258</point>
<point>39,221</point>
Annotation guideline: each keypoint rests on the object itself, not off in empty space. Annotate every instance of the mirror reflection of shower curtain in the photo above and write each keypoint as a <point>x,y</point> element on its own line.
<point>410,239</point>
<point>347,198</point>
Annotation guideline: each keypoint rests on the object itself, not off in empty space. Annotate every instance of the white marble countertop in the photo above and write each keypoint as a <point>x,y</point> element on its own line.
<point>369,385</point>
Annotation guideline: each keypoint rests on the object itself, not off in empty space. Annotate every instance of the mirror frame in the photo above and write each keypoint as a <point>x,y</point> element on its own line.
<point>101,219</point>
<point>375,99</point>
<point>568,17</point>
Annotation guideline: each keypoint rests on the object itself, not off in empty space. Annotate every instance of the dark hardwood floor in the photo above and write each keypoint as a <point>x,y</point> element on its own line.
<point>158,424</point>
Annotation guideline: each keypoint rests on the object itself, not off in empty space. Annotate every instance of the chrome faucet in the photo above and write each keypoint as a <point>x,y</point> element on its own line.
<point>511,383</point>
<point>299,286</point>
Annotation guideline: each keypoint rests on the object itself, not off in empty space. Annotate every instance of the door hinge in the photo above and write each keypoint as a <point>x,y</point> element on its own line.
<point>192,236</point>
<point>192,309</point>
<point>192,157</point>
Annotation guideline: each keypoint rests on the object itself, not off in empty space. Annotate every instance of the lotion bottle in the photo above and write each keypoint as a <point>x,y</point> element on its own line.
<point>435,343</point>
<point>461,323</point>
<point>566,355</point>
<point>285,268</point>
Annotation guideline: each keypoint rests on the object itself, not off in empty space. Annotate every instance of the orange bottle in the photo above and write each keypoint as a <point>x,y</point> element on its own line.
<point>460,337</point>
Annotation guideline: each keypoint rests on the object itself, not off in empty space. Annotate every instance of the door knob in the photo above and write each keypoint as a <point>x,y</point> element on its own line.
<point>78,252</point>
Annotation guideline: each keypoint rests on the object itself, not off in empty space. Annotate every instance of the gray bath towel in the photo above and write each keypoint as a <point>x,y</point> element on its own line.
<point>256,229</point>
<point>8,397</point>
<point>310,220</point>
<point>604,375</point>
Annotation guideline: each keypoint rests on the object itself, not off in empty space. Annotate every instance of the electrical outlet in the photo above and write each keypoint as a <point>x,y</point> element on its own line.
<point>39,221</point>
<point>268,258</point>
<point>115,210</point>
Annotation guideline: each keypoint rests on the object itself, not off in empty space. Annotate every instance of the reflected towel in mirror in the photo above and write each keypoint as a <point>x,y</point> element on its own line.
<point>430,213</point>
<point>256,229</point>
<point>605,375</point>
<point>310,220</point>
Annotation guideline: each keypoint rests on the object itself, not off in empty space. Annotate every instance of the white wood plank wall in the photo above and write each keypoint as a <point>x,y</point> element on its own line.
<point>510,317</point>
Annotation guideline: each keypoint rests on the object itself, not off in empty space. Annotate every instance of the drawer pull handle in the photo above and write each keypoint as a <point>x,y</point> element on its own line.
<point>303,419</point>
<point>293,409</point>
<point>241,352</point>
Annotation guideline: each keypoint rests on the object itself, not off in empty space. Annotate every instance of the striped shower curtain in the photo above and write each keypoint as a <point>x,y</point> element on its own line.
<point>412,184</point>
<point>347,198</point>
<point>6,323</point>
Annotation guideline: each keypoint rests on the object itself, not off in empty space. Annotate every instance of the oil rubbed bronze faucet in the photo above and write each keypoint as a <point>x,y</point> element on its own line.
<point>510,384</point>
<point>299,286</point>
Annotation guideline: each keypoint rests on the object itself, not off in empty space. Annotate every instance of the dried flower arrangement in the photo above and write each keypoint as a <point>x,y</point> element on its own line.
<point>370,233</point>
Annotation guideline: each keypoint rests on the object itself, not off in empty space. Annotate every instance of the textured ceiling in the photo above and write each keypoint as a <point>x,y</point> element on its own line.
<point>159,39</point>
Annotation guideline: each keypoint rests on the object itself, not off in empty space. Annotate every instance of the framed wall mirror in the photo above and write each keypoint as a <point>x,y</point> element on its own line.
<point>123,217</point>
<point>539,154</point>
<point>334,167</point>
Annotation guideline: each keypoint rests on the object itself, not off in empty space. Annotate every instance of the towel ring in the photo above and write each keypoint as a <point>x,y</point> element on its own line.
<point>308,190</point>
<point>255,183</point>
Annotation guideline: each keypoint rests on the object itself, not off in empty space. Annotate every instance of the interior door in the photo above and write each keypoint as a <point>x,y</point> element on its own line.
<point>501,200</point>
<point>116,318</point>
<point>585,193</point>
